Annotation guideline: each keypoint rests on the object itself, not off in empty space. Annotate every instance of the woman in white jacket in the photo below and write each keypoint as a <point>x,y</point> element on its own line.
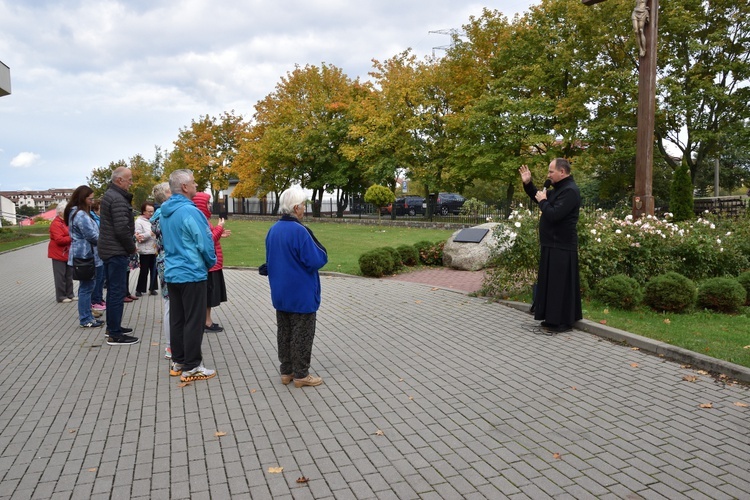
<point>145,242</point>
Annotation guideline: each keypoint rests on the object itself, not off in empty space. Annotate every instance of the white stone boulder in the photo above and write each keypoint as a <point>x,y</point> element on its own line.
<point>470,256</point>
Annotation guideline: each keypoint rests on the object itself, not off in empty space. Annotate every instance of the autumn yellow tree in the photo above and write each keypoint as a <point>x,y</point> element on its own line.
<point>297,134</point>
<point>208,147</point>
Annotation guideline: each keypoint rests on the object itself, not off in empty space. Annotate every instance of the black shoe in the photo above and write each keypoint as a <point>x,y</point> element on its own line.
<point>153,292</point>
<point>122,340</point>
<point>123,331</point>
<point>555,328</point>
<point>139,294</point>
<point>215,328</point>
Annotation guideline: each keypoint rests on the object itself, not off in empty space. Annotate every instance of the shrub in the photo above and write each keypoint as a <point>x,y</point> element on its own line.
<point>722,294</point>
<point>432,255</point>
<point>395,258</point>
<point>744,280</point>
<point>376,263</point>
<point>409,255</point>
<point>422,246</point>
<point>619,291</point>
<point>681,194</point>
<point>671,292</point>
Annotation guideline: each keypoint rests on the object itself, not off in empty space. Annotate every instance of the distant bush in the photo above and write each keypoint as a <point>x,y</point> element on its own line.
<point>670,292</point>
<point>619,291</point>
<point>431,255</point>
<point>744,280</point>
<point>722,294</point>
<point>376,263</point>
<point>395,257</point>
<point>409,255</point>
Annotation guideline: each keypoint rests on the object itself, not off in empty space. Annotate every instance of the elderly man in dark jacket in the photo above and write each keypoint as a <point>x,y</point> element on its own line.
<point>116,244</point>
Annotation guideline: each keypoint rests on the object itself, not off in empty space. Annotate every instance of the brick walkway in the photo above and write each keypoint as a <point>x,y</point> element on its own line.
<point>428,394</point>
<point>464,281</point>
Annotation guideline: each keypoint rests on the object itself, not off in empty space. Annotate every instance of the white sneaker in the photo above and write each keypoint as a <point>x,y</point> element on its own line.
<point>200,372</point>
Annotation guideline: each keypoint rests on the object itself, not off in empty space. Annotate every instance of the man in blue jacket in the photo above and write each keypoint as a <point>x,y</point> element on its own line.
<point>188,255</point>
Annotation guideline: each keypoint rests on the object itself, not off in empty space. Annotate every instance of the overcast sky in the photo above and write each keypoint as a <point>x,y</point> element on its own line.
<point>99,81</point>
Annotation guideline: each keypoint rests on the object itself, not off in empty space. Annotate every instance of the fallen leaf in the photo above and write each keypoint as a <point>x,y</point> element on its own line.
<point>379,433</point>
<point>574,388</point>
<point>556,456</point>
<point>253,391</point>
<point>702,372</point>
<point>93,469</point>
<point>218,434</point>
<point>72,431</point>
<point>434,288</point>
<point>746,347</point>
<point>400,380</point>
<point>411,398</point>
<point>635,348</point>
<point>606,311</point>
<point>722,376</point>
<point>183,384</point>
<point>154,343</point>
<point>302,479</point>
<point>666,321</point>
<point>603,321</point>
<point>417,301</point>
<point>706,405</point>
<point>634,365</point>
<point>275,470</point>
<point>689,378</point>
<point>740,404</point>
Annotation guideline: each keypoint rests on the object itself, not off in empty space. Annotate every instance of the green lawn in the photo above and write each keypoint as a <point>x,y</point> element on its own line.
<point>16,237</point>
<point>721,336</point>
<point>344,242</point>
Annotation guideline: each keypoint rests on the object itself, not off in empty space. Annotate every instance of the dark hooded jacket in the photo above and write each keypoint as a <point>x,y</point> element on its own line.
<point>117,225</point>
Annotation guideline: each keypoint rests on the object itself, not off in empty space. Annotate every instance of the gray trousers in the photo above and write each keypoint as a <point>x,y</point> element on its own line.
<point>63,275</point>
<point>295,335</point>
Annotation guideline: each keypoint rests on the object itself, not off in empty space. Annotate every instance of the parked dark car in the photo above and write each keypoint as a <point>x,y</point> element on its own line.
<point>449,203</point>
<point>408,205</point>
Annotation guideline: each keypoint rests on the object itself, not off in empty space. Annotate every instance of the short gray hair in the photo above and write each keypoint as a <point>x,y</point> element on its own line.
<point>178,178</point>
<point>61,208</point>
<point>118,173</point>
<point>160,192</point>
<point>290,198</point>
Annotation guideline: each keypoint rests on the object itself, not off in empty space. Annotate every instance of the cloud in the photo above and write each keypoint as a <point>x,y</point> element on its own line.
<point>25,160</point>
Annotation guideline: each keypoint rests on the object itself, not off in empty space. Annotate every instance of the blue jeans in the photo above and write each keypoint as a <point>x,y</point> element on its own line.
<point>84,301</point>
<point>117,285</point>
<point>97,296</point>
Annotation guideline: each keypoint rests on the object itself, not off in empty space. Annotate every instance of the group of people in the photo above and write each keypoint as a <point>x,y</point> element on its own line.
<point>175,236</point>
<point>174,241</point>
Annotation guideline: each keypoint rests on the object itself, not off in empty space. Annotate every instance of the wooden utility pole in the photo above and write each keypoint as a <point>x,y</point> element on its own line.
<point>643,200</point>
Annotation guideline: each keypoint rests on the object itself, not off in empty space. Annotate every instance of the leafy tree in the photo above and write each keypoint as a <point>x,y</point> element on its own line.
<point>704,61</point>
<point>208,147</point>
<point>380,196</point>
<point>297,135</point>
<point>27,211</point>
<point>146,174</point>
<point>681,194</point>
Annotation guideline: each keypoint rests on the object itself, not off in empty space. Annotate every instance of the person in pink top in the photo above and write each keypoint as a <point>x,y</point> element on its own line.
<point>217,289</point>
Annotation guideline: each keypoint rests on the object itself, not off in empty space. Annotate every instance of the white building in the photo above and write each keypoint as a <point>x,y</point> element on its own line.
<point>41,201</point>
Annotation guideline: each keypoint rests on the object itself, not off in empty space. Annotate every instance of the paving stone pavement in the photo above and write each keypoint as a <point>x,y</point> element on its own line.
<point>428,393</point>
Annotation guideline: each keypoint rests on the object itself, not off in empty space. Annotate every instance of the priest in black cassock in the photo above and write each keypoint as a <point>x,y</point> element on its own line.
<point>558,292</point>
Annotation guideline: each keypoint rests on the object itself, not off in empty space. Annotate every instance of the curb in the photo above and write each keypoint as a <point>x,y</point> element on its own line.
<point>668,351</point>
